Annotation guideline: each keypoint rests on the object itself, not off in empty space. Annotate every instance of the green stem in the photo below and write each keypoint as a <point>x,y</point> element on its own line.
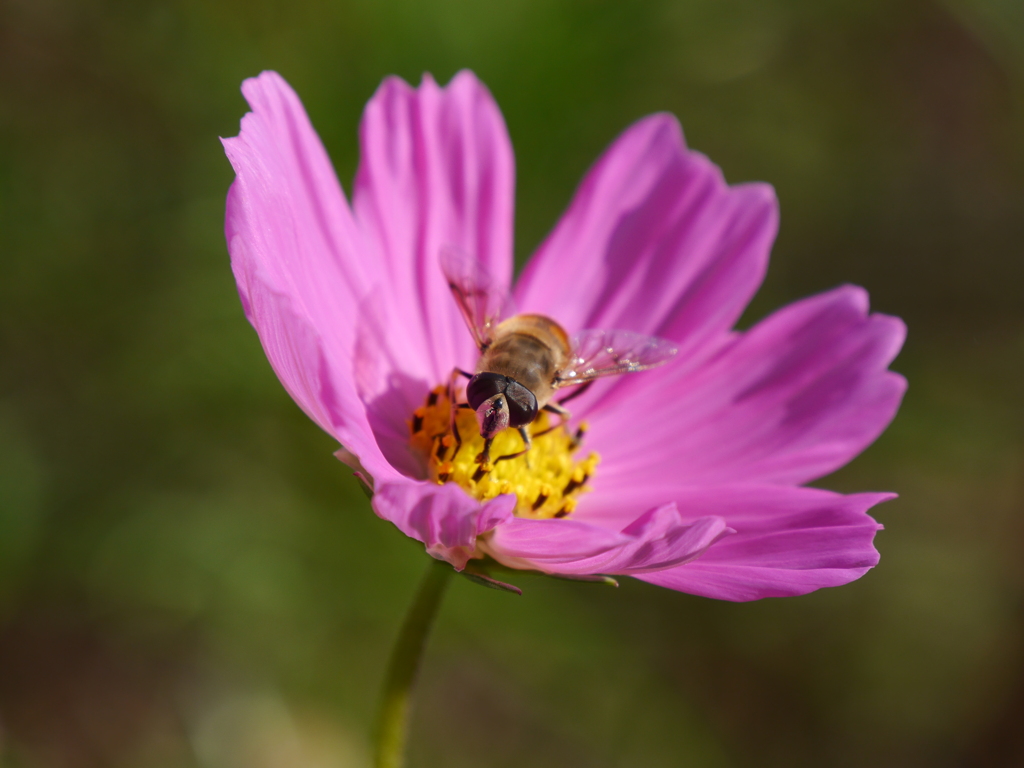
<point>393,719</point>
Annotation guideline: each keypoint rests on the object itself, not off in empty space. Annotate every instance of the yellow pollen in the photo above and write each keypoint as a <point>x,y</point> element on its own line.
<point>547,481</point>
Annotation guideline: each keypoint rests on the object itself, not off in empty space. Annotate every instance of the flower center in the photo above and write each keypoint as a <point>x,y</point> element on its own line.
<point>547,480</point>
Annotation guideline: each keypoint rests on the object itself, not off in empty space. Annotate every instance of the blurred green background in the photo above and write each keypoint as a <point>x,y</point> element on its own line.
<point>189,578</point>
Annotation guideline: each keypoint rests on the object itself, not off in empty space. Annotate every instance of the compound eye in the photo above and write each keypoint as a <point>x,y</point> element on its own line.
<point>484,386</point>
<point>522,405</point>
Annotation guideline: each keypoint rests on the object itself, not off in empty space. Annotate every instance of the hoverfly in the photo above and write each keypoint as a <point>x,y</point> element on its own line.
<point>525,359</point>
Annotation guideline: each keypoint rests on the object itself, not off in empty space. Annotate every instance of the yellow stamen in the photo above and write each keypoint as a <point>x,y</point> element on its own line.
<point>547,481</point>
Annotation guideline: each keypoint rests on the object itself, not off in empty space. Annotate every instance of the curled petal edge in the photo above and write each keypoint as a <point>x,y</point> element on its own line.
<point>660,538</point>
<point>443,517</point>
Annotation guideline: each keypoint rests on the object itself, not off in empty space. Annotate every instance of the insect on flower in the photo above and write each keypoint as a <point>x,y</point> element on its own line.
<point>525,359</point>
<point>694,475</point>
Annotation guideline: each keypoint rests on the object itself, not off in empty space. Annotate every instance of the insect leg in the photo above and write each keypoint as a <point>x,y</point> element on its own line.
<point>527,444</point>
<point>485,455</point>
<point>557,409</point>
<point>563,416</point>
<point>576,392</point>
<point>452,425</point>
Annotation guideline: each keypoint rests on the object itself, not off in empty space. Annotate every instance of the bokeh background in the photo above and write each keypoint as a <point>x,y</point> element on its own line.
<point>189,578</point>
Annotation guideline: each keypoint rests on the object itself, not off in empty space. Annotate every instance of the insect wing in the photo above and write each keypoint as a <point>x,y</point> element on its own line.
<point>481,300</point>
<point>609,353</point>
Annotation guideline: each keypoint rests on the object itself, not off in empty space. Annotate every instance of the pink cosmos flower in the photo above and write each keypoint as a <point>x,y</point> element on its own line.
<point>702,461</point>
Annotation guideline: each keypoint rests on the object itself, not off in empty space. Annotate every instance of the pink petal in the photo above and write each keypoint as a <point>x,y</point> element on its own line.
<point>655,242</point>
<point>658,539</point>
<point>287,207</point>
<point>436,170</point>
<point>788,541</point>
<point>296,353</point>
<point>381,359</point>
<point>794,398</point>
<point>443,517</point>
<point>295,253</point>
<point>663,538</point>
<point>525,543</point>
